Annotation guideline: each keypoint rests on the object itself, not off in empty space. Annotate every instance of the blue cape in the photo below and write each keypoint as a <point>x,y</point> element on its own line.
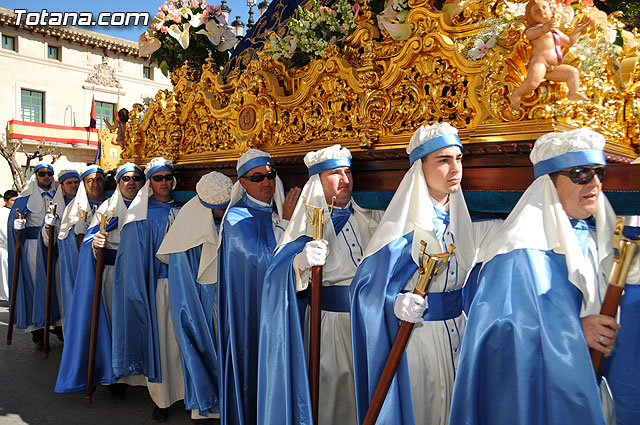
<point>283,383</point>
<point>68,263</point>
<point>30,300</point>
<point>72,375</point>
<point>137,270</point>
<point>192,307</point>
<point>245,253</point>
<point>524,358</point>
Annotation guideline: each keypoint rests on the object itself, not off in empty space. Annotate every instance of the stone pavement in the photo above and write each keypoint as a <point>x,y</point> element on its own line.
<point>27,397</point>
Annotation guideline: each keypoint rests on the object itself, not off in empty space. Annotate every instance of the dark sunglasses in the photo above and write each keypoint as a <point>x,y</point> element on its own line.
<point>258,177</point>
<point>584,175</point>
<point>135,178</point>
<point>166,177</point>
<point>44,173</point>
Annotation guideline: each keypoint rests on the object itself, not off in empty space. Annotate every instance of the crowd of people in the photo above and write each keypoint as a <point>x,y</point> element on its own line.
<point>208,302</point>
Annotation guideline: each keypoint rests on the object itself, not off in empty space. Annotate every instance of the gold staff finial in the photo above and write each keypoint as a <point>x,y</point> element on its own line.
<point>318,220</point>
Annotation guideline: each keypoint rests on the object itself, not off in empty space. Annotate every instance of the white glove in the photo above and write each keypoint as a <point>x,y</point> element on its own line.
<point>81,227</point>
<point>410,307</point>
<point>19,223</point>
<point>313,254</point>
<point>50,219</point>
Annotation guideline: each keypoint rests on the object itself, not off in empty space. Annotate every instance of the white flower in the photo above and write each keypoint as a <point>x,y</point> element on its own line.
<point>181,36</point>
<point>224,39</point>
<point>214,188</point>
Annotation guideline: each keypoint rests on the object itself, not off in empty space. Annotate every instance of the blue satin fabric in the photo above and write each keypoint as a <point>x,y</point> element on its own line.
<point>192,307</point>
<point>524,359</point>
<point>374,326</point>
<point>137,270</point>
<point>340,216</point>
<point>72,375</point>
<point>68,265</point>
<point>30,300</point>
<point>245,254</point>
<point>622,368</point>
<point>283,382</point>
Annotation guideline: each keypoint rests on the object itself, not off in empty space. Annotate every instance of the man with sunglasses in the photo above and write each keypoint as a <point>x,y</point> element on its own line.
<point>72,375</point>
<point>144,342</point>
<point>257,214</point>
<point>346,235</point>
<point>525,355</point>
<point>30,299</point>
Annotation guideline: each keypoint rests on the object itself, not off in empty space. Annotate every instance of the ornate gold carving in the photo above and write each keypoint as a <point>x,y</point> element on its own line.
<point>375,91</point>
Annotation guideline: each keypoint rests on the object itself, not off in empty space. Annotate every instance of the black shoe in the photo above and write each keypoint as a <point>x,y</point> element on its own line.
<point>160,415</point>
<point>37,337</point>
<point>57,331</point>
<point>118,392</point>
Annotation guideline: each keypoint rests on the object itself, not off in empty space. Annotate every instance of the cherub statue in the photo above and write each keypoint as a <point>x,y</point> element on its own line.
<point>546,51</point>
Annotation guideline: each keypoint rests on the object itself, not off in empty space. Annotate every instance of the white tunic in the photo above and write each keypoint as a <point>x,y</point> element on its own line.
<point>4,255</point>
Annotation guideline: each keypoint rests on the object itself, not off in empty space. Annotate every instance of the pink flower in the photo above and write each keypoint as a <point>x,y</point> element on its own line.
<point>195,3</point>
<point>209,9</point>
<point>356,8</point>
<point>327,10</point>
<point>218,10</point>
<point>164,29</point>
<point>203,3</point>
<point>164,7</point>
<point>294,44</point>
<point>161,15</point>
<point>588,3</point>
<point>177,19</point>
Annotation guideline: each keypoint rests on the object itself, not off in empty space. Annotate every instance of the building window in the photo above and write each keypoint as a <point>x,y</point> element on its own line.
<point>146,73</point>
<point>53,52</point>
<point>32,105</point>
<point>8,42</point>
<point>104,110</point>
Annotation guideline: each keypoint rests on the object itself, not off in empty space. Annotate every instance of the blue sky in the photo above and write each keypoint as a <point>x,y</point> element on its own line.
<point>238,7</point>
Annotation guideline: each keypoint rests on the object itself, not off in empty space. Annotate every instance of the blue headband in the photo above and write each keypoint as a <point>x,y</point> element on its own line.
<point>568,160</point>
<point>91,170</point>
<point>329,164</point>
<point>253,163</point>
<point>63,177</point>
<point>39,166</point>
<point>128,169</point>
<point>432,145</point>
<point>221,206</point>
<point>153,170</point>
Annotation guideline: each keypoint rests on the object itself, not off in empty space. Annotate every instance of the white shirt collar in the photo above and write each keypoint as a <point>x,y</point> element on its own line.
<point>264,204</point>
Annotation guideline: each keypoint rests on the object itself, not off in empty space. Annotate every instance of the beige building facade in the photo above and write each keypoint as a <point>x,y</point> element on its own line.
<point>50,76</point>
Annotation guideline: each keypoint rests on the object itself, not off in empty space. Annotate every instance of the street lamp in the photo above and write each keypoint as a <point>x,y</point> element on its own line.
<point>225,10</point>
<point>262,7</point>
<point>250,21</point>
<point>238,27</point>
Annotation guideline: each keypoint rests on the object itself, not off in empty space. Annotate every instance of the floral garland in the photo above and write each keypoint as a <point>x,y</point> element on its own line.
<point>187,30</point>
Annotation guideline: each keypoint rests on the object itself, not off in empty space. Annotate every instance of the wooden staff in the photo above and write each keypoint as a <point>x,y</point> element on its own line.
<point>50,271</point>
<point>626,249</point>
<point>84,214</point>
<point>14,280</point>
<point>434,264</point>
<point>318,221</point>
<point>97,292</point>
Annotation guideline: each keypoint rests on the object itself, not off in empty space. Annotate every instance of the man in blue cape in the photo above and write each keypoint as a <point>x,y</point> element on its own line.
<point>144,342</point>
<point>75,220</point>
<point>622,368</point>
<point>30,294</point>
<point>284,388</point>
<point>190,248</point>
<point>9,198</point>
<point>72,375</point>
<point>525,356</point>
<point>256,217</point>
<point>428,205</point>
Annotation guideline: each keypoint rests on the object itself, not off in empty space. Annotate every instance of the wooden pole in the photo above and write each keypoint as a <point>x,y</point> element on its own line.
<point>14,281</point>
<point>50,271</point>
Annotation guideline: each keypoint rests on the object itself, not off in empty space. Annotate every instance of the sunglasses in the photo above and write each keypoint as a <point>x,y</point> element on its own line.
<point>44,173</point>
<point>258,177</point>
<point>166,177</point>
<point>136,178</point>
<point>584,175</point>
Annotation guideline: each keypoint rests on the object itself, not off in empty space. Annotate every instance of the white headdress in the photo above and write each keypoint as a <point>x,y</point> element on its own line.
<point>138,209</point>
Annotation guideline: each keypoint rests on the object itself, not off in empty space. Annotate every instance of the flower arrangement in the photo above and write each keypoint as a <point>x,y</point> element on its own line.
<point>187,30</point>
<point>393,19</point>
<point>312,33</point>
<point>476,47</point>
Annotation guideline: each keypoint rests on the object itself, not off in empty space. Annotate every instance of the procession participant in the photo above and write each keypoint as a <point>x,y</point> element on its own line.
<point>346,236</point>
<point>143,338</point>
<point>257,213</point>
<point>75,219</point>
<point>525,356</point>
<point>190,248</point>
<point>9,197</point>
<point>428,205</point>
<point>621,368</point>
<point>72,375</point>
<point>30,300</point>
